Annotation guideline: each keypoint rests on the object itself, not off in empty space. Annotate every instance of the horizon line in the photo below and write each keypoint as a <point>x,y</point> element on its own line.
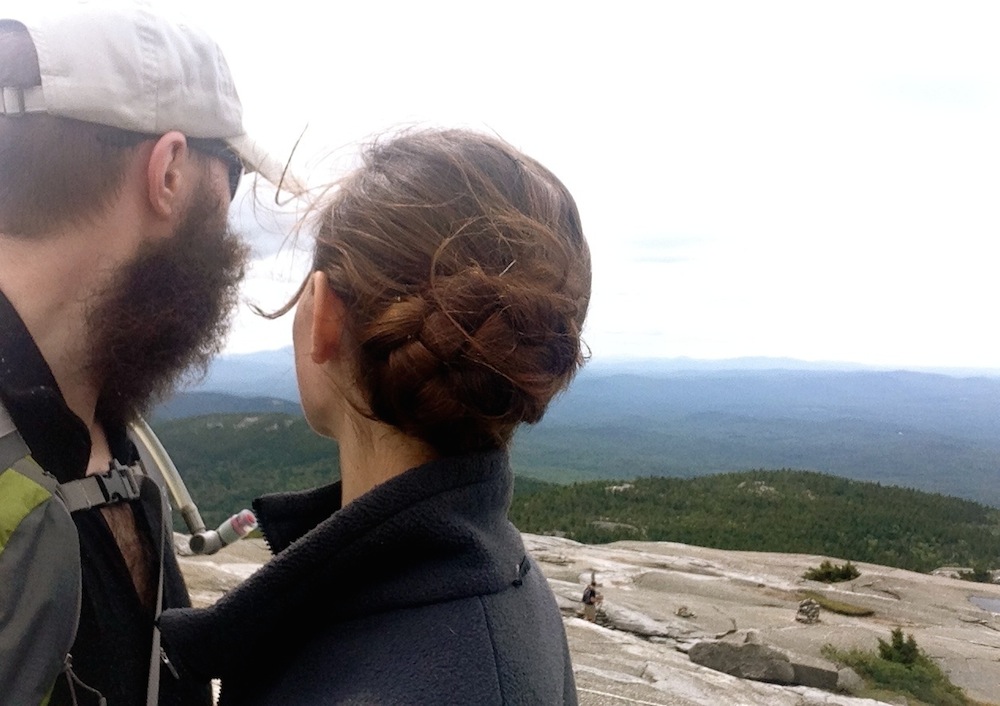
<point>746,362</point>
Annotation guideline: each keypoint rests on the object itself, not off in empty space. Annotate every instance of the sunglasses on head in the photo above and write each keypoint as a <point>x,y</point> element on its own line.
<point>220,150</point>
<point>207,146</point>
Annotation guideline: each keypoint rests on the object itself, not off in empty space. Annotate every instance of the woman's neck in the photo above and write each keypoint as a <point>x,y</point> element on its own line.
<point>372,453</point>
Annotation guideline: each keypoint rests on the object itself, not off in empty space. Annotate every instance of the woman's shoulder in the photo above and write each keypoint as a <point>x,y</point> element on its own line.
<point>501,648</point>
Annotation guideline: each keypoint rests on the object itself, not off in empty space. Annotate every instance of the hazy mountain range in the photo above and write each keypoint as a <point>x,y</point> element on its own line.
<point>928,430</point>
<point>272,373</point>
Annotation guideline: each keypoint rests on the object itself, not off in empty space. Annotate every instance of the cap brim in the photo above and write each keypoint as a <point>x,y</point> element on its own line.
<point>256,159</point>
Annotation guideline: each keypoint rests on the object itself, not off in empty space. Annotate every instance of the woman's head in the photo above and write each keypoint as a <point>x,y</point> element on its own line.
<point>465,277</point>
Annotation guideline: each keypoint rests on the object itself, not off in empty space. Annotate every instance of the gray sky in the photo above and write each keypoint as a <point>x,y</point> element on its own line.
<point>802,179</point>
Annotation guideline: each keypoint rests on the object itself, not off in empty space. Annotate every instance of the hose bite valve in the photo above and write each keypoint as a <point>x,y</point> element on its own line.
<point>236,527</point>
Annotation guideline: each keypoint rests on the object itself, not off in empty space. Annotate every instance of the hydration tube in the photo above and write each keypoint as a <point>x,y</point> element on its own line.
<point>157,462</point>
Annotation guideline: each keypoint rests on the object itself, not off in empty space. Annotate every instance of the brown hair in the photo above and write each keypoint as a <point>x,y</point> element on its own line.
<point>466,276</point>
<point>53,171</point>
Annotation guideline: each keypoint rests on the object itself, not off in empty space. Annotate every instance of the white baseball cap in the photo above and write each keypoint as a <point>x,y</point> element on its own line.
<point>124,65</point>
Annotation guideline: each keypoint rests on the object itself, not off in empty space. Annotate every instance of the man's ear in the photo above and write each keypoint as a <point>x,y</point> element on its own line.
<point>329,316</point>
<point>165,173</point>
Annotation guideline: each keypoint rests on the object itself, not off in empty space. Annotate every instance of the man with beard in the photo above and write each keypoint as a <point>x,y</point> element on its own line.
<point>121,146</point>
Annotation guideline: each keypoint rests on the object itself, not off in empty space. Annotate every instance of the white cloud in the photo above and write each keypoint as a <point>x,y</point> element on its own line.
<point>838,164</point>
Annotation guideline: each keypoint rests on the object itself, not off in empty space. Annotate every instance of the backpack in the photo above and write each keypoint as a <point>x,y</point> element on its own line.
<point>40,574</point>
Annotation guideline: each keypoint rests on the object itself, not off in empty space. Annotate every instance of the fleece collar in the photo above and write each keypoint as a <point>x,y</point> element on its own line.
<point>436,533</point>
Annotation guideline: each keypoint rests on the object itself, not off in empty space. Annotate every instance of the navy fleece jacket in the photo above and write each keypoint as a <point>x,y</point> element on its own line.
<point>419,592</point>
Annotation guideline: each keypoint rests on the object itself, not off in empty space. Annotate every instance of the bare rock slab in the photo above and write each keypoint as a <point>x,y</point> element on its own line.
<point>816,676</point>
<point>747,661</point>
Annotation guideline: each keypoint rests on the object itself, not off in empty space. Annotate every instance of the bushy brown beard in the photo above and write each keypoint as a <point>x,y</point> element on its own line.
<point>166,314</point>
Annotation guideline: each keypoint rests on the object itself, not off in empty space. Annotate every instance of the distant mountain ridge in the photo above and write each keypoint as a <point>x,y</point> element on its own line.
<point>669,366</point>
<point>261,374</point>
<point>934,432</point>
<point>272,373</point>
<point>197,404</point>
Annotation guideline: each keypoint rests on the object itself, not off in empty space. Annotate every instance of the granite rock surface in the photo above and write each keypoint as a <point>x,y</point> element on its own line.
<point>663,598</point>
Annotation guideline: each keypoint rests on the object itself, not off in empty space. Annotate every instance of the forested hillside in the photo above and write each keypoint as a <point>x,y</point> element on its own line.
<point>776,511</point>
<point>227,460</point>
<point>934,432</point>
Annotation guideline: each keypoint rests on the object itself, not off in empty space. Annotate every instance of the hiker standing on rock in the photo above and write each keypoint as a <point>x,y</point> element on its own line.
<point>451,280</point>
<point>591,599</point>
<point>121,146</point>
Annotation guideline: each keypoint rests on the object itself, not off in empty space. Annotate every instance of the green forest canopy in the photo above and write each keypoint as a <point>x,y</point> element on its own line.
<point>227,460</point>
<point>774,511</point>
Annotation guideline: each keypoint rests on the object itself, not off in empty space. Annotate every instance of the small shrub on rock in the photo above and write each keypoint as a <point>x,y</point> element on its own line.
<point>980,573</point>
<point>828,572</point>
<point>901,667</point>
<point>899,650</point>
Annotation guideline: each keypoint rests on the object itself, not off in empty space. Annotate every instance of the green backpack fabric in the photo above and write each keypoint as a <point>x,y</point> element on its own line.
<point>40,574</point>
<point>40,588</point>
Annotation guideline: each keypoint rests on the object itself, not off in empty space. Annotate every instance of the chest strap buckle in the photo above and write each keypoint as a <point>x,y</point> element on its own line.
<point>119,484</point>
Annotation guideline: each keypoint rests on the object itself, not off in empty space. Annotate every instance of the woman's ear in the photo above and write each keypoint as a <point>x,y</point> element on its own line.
<point>329,316</point>
<point>165,174</point>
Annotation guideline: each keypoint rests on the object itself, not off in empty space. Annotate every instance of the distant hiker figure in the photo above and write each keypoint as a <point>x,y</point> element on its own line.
<point>591,599</point>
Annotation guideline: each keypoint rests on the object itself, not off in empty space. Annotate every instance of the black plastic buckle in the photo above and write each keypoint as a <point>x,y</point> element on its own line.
<point>118,484</point>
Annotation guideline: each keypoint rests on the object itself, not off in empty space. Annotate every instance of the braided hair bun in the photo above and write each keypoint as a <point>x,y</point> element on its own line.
<point>467,278</point>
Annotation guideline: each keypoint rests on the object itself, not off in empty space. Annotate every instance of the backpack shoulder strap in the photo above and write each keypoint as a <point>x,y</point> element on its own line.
<point>18,622</point>
<point>118,484</point>
<point>39,598</point>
